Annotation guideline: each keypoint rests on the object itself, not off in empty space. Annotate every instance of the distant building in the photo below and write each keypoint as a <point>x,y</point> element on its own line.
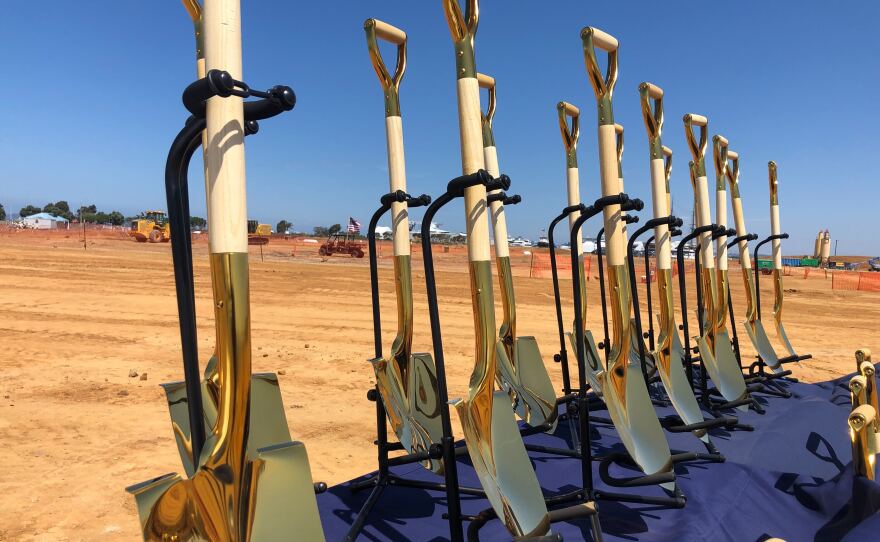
<point>45,221</point>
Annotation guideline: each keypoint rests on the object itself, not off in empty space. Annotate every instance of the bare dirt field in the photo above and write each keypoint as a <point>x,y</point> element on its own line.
<point>75,429</point>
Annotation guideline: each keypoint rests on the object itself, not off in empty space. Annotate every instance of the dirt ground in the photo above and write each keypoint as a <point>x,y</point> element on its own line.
<point>75,429</point>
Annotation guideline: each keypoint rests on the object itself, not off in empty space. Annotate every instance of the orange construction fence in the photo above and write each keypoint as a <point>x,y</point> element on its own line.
<point>540,266</point>
<point>864,281</point>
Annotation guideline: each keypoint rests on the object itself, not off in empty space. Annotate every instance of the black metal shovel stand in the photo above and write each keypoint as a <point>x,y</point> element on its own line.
<point>788,359</point>
<point>677,499</point>
<point>673,424</point>
<point>273,102</point>
<point>757,380</point>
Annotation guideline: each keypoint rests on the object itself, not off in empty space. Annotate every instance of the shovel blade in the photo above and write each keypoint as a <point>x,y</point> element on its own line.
<point>594,364</point>
<point>284,501</point>
<point>424,405</point>
<point>728,388</point>
<point>677,387</point>
<point>499,456</point>
<point>762,345</point>
<point>268,424</point>
<point>783,336</point>
<point>533,393</point>
<point>635,420</point>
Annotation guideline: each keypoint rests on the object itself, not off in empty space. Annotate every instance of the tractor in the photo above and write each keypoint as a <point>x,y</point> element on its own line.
<point>258,234</point>
<point>153,227</point>
<point>342,243</point>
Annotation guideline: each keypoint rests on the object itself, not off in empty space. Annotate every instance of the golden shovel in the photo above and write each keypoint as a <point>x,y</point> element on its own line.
<point>267,419</point>
<point>407,382</point>
<point>234,495</point>
<point>776,230</point>
<point>493,439</point>
<point>668,355</point>
<point>754,327</point>
<point>623,385</point>
<point>570,136</point>
<point>714,344</point>
<point>520,366</point>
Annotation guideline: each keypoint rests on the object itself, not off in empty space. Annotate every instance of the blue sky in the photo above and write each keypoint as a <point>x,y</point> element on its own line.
<point>91,103</point>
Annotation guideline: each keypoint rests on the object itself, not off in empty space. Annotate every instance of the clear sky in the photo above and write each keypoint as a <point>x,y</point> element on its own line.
<point>91,102</point>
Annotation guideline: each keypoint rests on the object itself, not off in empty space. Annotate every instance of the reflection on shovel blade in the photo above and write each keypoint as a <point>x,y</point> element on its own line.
<point>285,495</point>
<point>761,343</point>
<point>780,330</point>
<point>594,364</point>
<point>634,357</point>
<point>414,409</point>
<point>281,493</point>
<point>268,424</point>
<point>635,420</point>
<point>679,391</point>
<point>533,393</point>
<point>499,456</point>
<point>731,388</point>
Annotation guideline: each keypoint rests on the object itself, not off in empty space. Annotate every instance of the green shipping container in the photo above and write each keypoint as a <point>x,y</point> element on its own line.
<point>809,262</point>
<point>765,264</point>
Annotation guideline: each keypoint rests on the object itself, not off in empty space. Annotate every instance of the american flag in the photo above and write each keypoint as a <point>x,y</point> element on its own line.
<point>354,226</point>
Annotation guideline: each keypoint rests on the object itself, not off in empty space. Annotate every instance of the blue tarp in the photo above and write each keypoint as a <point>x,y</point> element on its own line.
<point>791,478</point>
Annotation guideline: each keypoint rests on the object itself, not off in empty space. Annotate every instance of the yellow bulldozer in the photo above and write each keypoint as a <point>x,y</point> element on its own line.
<point>258,234</point>
<point>153,227</point>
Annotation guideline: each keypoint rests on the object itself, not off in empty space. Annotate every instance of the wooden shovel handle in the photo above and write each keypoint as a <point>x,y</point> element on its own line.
<point>376,30</point>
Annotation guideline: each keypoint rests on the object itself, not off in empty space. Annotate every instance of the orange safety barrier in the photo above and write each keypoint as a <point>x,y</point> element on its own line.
<point>540,267</point>
<point>845,280</point>
<point>869,281</point>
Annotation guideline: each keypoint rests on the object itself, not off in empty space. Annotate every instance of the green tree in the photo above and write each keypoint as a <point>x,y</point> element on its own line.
<point>29,210</point>
<point>101,217</point>
<point>197,222</point>
<point>335,228</point>
<point>59,208</point>
<point>282,227</point>
<point>87,209</point>
<point>117,218</point>
<point>2,212</point>
<point>321,231</point>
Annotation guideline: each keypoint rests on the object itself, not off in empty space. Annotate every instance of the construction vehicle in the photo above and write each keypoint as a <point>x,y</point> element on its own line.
<point>153,227</point>
<point>258,234</point>
<point>342,243</point>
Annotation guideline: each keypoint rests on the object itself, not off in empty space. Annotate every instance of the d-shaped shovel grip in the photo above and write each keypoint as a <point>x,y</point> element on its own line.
<point>652,113</point>
<point>667,165</point>
<point>376,30</point>
<point>571,134</point>
<point>774,182</point>
<point>698,149</point>
<point>732,171</point>
<point>720,156</point>
<point>488,82</point>
<point>603,86</point>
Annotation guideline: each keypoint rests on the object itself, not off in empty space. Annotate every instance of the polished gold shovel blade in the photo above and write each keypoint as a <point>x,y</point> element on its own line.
<point>625,392</point>
<point>594,365</point>
<point>268,423</point>
<point>777,312</point>
<point>526,378</point>
<point>413,410</point>
<point>502,464</point>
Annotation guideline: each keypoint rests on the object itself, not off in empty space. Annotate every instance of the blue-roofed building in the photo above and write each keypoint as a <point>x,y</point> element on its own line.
<point>45,221</point>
